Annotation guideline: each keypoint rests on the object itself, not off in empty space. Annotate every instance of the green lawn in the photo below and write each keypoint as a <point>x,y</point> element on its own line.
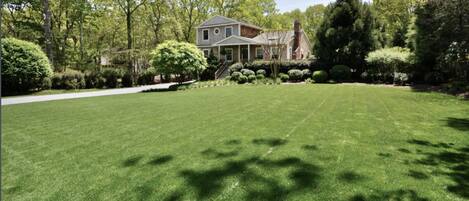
<point>52,92</point>
<point>292,142</point>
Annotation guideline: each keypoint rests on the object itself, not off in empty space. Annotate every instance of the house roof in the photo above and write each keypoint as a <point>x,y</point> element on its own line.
<point>221,20</point>
<point>235,40</point>
<point>273,36</point>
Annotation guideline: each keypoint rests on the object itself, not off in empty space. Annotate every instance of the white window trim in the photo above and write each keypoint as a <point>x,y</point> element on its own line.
<point>208,34</point>
<point>229,27</point>
<point>262,52</point>
<point>232,54</point>
<point>214,31</point>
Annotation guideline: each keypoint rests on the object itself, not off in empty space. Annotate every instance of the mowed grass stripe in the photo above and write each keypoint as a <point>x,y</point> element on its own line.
<point>197,144</point>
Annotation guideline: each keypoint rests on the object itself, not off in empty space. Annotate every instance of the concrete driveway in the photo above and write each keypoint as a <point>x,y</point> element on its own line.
<point>106,92</point>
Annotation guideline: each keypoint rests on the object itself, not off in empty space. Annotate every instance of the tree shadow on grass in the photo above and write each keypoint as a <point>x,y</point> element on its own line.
<point>458,123</point>
<point>309,147</point>
<point>430,144</point>
<point>159,160</point>
<point>397,195</point>
<point>132,161</point>
<point>454,160</point>
<point>417,174</point>
<point>350,177</point>
<point>269,141</point>
<point>209,182</point>
<point>214,154</point>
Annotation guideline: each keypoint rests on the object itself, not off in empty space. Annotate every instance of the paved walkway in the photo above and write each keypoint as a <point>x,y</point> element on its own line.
<point>106,92</point>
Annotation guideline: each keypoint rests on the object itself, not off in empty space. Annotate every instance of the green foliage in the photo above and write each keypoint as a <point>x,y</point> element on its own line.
<point>247,72</point>
<point>24,66</point>
<point>242,79</point>
<point>455,60</point>
<point>345,35</point>
<point>260,76</point>
<point>320,76</point>
<point>113,77</point>
<point>127,80</point>
<point>434,77</point>
<point>69,79</point>
<point>295,75</point>
<point>438,25</point>
<point>235,76</point>
<point>283,65</point>
<point>236,67</point>
<point>283,77</point>
<point>306,73</point>
<point>251,78</point>
<point>261,72</point>
<point>178,58</point>
<point>341,73</point>
<point>390,60</point>
<point>209,72</point>
<point>94,79</point>
<point>147,77</point>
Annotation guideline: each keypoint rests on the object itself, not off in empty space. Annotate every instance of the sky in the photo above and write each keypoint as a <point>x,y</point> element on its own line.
<point>289,5</point>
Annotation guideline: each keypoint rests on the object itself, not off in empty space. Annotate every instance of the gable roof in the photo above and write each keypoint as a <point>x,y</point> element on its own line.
<point>222,20</point>
<point>235,40</point>
<point>285,36</point>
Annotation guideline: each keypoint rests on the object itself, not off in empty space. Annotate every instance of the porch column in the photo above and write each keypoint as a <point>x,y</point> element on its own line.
<point>239,53</point>
<point>249,52</point>
<point>219,55</point>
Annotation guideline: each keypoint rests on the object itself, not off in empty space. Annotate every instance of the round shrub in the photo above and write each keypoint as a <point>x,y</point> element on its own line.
<point>227,78</point>
<point>127,80</point>
<point>92,79</point>
<point>236,67</point>
<point>295,75</point>
<point>320,76</point>
<point>247,72</point>
<point>113,77</point>
<point>69,79</point>
<point>251,78</point>
<point>24,66</point>
<point>341,72</point>
<point>284,77</point>
<point>261,72</point>
<point>306,73</point>
<point>46,83</point>
<point>235,76</point>
<point>260,77</point>
<point>242,79</point>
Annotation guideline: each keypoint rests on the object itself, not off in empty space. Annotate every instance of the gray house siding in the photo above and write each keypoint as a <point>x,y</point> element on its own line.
<point>212,37</point>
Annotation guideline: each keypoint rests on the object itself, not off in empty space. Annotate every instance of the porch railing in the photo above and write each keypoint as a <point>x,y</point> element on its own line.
<point>221,69</point>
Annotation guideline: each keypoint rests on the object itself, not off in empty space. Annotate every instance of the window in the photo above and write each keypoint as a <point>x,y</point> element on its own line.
<point>228,31</point>
<point>275,52</point>
<point>205,34</point>
<point>259,53</point>
<point>216,31</point>
<point>229,54</point>
<point>206,53</point>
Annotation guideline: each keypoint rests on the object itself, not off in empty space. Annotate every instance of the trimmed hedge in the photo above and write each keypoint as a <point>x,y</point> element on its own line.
<point>24,66</point>
<point>113,77</point>
<point>247,72</point>
<point>320,76</point>
<point>295,75</point>
<point>261,72</point>
<point>284,77</point>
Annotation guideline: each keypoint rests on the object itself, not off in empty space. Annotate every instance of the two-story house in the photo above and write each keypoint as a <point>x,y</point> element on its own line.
<point>235,41</point>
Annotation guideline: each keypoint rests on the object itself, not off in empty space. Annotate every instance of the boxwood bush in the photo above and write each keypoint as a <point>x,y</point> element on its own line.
<point>261,72</point>
<point>320,76</point>
<point>341,73</point>
<point>24,66</point>
<point>295,75</point>
<point>242,79</point>
<point>260,76</point>
<point>147,77</point>
<point>235,76</point>
<point>113,77</point>
<point>306,74</point>
<point>236,67</point>
<point>251,78</point>
<point>284,77</point>
<point>247,72</point>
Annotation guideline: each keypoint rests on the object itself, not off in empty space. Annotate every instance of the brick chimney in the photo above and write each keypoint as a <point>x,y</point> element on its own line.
<point>296,40</point>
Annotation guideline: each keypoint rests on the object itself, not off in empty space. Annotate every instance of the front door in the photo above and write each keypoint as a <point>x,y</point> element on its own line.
<point>244,54</point>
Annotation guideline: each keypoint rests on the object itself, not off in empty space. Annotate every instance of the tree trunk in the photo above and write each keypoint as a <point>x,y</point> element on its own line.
<point>129,39</point>
<point>81,39</point>
<point>47,30</point>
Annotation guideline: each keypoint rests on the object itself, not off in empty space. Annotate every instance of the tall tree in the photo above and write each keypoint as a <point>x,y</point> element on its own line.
<point>189,13</point>
<point>345,35</point>
<point>47,30</point>
<point>129,7</point>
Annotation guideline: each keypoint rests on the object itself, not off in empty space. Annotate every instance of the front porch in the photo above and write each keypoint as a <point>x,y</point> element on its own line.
<point>235,49</point>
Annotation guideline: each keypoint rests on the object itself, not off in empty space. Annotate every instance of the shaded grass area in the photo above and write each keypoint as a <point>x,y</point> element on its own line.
<point>288,142</point>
